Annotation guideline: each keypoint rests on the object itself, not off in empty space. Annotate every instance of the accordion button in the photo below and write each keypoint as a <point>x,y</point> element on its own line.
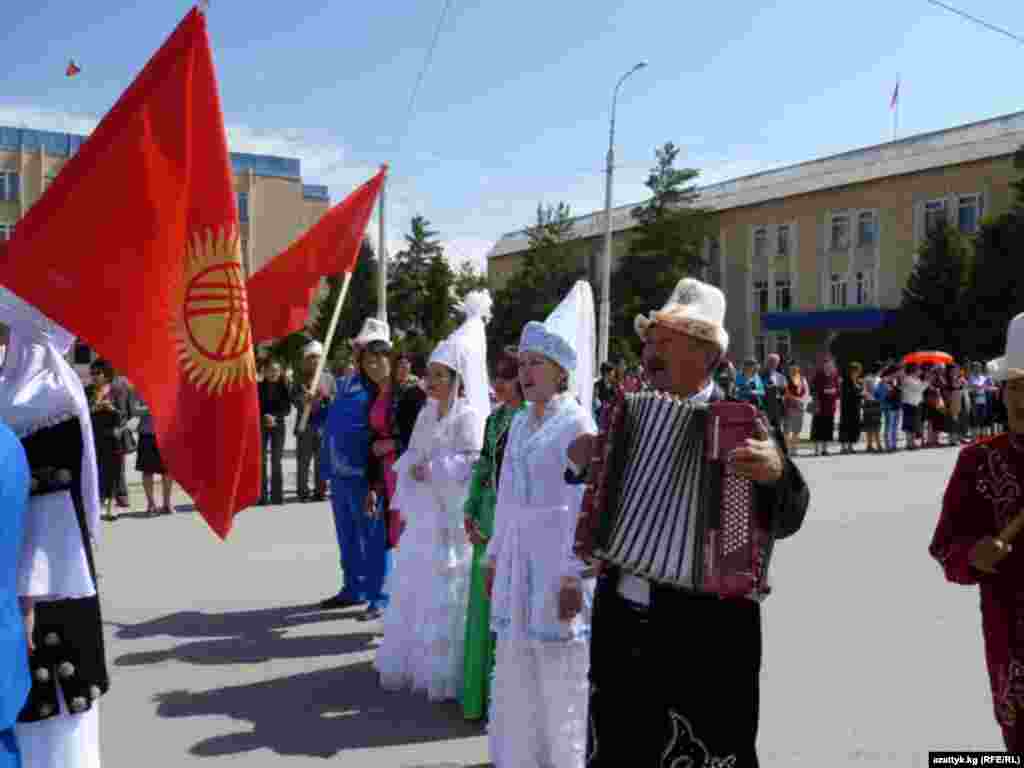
<point>94,692</point>
<point>42,675</point>
<point>45,709</point>
<point>79,704</point>
<point>66,670</point>
<point>52,640</point>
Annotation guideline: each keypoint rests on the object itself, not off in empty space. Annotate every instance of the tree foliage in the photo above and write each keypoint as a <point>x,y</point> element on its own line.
<point>543,279</point>
<point>665,246</point>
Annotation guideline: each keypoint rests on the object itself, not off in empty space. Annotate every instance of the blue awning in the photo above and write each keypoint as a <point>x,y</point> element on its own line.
<point>828,320</point>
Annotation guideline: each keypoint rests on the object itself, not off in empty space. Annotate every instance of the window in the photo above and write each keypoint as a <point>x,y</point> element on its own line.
<point>243,206</point>
<point>838,295</point>
<point>866,228</point>
<point>10,184</point>
<point>865,288</point>
<point>783,345</point>
<point>761,296</point>
<point>760,349</point>
<point>783,295</point>
<point>6,230</point>
<point>840,232</point>
<point>783,237</point>
<point>760,243</point>
<point>934,215</point>
<point>969,214</point>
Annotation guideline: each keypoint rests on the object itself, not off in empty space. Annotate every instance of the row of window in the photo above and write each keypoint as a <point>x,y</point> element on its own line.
<point>968,214</point>
<point>840,295</point>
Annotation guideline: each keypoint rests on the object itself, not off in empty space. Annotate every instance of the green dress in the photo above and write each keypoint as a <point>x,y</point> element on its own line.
<point>483,496</point>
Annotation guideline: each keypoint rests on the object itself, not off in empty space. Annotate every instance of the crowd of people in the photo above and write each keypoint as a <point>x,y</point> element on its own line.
<point>474,510</point>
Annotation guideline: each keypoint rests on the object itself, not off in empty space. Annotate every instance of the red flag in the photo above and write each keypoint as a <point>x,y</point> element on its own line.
<point>73,69</point>
<point>135,247</point>
<point>281,292</point>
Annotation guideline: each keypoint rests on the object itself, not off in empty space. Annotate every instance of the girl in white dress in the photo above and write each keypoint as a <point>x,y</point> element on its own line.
<point>541,600</point>
<point>425,622</point>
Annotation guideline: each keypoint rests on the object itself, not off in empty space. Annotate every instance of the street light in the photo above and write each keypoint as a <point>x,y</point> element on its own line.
<point>606,260</point>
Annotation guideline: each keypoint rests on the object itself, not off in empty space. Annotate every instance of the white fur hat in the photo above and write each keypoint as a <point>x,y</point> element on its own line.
<point>1012,366</point>
<point>373,330</point>
<point>694,308</point>
<point>313,348</point>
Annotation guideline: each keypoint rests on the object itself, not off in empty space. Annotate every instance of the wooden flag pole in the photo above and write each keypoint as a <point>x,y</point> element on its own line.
<point>327,348</point>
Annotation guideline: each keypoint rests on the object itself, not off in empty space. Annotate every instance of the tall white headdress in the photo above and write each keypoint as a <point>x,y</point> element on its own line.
<point>465,352</point>
<point>567,338</point>
<point>38,388</point>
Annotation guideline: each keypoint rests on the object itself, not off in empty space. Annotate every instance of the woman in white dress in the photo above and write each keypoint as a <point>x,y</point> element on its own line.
<point>425,622</point>
<point>541,595</point>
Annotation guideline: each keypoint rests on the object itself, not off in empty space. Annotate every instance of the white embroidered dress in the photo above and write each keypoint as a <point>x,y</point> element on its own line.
<point>425,621</point>
<point>540,686</point>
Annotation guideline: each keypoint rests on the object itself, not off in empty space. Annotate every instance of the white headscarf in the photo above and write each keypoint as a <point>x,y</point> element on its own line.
<point>38,388</point>
<point>465,352</point>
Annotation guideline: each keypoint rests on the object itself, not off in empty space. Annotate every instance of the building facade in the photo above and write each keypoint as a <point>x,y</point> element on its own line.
<point>274,206</point>
<point>812,250</point>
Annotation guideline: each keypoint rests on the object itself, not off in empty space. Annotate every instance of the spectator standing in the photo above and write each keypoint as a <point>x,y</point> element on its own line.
<point>912,389</point>
<point>851,397</point>
<point>794,402</point>
<point>307,441</point>
<point>275,404</point>
<point>825,391</point>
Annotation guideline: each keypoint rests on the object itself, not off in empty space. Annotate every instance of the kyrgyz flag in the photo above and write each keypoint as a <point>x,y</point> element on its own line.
<point>134,247</point>
<point>281,292</point>
<point>73,69</point>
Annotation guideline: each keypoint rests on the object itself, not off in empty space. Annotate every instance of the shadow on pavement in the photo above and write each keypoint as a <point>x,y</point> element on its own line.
<point>318,714</point>
<point>193,624</point>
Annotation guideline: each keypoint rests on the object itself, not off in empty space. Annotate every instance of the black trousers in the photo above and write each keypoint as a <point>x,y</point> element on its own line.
<point>273,462</point>
<point>675,684</point>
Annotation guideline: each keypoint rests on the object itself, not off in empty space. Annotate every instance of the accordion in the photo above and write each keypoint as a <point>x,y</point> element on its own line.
<point>675,511</point>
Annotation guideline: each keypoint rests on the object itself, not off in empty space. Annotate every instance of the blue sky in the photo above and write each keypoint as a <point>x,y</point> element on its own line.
<point>514,108</point>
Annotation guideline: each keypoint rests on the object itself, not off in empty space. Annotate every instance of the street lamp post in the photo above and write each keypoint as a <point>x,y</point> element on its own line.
<point>606,259</point>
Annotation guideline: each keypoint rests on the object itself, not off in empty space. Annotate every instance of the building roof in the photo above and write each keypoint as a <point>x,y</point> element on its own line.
<point>60,144</point>
<point>995,137</point>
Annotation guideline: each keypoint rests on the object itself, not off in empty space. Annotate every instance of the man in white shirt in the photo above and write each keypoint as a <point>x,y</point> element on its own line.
<point>912,393</point>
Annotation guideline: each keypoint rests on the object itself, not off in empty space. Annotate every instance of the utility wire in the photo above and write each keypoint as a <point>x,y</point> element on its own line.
<point>423,72</point>
<point>976,20</point>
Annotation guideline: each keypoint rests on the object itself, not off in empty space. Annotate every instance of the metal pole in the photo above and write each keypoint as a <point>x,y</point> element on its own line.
<point>382,260</point>
<point>604,331</point>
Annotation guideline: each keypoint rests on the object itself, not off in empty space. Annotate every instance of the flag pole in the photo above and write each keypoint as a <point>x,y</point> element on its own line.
<point>334,322</point>
<point>327,347</point>
<point>382,257</point>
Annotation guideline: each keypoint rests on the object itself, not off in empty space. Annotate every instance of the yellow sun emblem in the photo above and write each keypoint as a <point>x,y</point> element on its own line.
<point>214,335</point>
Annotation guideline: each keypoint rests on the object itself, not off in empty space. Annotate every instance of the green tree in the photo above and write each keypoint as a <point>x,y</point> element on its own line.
<point>408,275</point>
<point>931,315</point>
<point>665,246</point>
<point>360,303</point>
<point>468,278</point>
<point>544,277</point>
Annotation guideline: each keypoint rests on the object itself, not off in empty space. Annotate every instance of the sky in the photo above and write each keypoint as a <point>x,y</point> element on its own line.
<point>514,107</point>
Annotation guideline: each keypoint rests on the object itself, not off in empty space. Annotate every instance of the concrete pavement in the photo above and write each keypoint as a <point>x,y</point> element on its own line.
<point>217,653</point>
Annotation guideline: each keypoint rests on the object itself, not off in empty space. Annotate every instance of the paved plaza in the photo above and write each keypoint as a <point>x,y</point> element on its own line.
<point>218,653</point>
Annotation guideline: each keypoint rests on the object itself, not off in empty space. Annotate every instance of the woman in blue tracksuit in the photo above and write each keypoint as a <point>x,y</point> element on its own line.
<point>345,460</point>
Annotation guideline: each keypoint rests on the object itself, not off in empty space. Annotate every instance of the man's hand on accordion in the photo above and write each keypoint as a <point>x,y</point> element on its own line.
<point>760,460</point>
<point>581,450</point>
<point>570,598</point>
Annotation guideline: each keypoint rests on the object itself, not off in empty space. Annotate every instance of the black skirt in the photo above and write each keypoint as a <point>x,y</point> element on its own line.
<point>147,458</point>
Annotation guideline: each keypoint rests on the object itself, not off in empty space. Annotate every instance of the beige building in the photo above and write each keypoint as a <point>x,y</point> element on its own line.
<point>814,249</point>
<point>274,206</point>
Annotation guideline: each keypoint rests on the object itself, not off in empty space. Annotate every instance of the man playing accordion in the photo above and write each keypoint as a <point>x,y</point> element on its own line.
<point>676,644</point>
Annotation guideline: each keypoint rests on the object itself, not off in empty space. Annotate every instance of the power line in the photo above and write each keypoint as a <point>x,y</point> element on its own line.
<point>976,20</point>
<point>423,72</point>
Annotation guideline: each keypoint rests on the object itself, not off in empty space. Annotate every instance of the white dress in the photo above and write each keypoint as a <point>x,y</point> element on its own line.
<point>425,621</point>
<point>539,697</point>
